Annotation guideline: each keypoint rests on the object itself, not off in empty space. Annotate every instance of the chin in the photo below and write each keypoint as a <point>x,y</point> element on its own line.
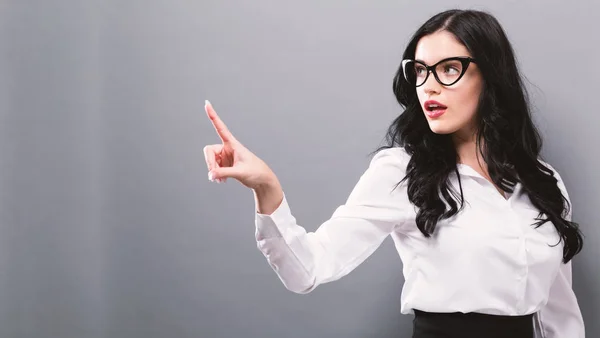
<point>441,128</point>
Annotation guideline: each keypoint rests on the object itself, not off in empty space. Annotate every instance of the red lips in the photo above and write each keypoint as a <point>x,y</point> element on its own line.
<point>433,105</point>
<point>434,109</point>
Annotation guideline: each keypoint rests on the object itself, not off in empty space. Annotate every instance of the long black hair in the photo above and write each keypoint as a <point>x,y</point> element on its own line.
<point>511,143</point>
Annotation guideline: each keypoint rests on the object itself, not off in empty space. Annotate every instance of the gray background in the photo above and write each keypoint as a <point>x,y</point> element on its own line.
<point>108,224</point>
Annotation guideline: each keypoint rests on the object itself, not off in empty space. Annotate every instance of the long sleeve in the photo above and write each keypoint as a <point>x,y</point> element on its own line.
<point>374,209</point>
<point>561,316</point>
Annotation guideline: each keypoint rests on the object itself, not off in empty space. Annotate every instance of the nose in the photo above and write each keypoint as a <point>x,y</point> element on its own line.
<point>431,86</point>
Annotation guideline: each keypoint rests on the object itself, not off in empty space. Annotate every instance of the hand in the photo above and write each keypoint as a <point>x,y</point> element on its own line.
<point>232,159</point>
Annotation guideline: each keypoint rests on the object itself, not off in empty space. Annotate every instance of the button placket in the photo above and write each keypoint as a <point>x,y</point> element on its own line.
<point>524,270</point>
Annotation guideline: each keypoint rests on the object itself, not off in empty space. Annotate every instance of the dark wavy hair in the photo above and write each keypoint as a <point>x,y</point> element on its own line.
<point>511,143</point>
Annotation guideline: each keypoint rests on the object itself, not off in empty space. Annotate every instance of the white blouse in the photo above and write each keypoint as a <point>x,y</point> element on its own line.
<point>488,258</point>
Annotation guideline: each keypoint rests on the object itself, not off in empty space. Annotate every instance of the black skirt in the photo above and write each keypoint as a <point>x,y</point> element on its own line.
<point>471,325</point>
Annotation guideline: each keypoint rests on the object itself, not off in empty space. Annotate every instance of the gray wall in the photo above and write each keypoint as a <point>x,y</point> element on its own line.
<point>108,224</point>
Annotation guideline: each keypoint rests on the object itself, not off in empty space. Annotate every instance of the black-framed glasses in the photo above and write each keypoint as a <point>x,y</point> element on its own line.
<point>446,72</point>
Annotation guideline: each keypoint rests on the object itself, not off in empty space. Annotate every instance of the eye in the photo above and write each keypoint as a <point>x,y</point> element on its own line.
<point>420,70</point>
<point>451,70</point>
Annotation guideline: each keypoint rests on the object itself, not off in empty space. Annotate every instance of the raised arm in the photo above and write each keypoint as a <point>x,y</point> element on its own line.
<point>303,260</point>
<point>376,206</point>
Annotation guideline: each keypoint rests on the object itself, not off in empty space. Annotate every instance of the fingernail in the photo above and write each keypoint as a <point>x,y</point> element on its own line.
<point>210,176</point>
<point>206,102</point>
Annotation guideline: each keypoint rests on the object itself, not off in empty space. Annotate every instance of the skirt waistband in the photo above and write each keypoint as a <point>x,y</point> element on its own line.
<point>472,324</point>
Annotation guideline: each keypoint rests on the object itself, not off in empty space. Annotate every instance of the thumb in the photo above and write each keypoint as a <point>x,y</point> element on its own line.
<point>223,173</point>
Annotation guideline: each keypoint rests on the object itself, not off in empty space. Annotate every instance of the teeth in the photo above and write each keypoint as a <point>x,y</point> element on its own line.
<point>434,106</point>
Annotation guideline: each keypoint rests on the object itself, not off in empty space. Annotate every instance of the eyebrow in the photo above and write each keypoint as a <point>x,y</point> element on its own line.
<point>420,60</point>
<point>440,59</point>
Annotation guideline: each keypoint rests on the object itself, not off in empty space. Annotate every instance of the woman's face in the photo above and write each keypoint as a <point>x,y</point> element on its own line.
<point>457,103</point>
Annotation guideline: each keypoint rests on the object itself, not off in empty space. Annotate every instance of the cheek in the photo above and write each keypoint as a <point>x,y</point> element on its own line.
<point>471,99</point>
<point>466,98</point>
<point>421,95</point>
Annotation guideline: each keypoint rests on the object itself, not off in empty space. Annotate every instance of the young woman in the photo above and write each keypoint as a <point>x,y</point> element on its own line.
<point>481,224</point>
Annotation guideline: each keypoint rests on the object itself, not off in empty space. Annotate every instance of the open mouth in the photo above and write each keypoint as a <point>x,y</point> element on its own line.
<point>434,109</point>
<point>433,106</point>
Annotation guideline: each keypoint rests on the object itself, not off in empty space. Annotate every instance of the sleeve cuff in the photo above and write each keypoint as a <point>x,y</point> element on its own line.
<point>270,226</point>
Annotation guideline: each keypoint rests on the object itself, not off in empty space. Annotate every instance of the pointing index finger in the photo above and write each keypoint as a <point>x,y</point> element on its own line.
<point>219,125</point>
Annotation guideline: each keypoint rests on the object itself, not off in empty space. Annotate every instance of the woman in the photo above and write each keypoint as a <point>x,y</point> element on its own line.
<point>482,225</point>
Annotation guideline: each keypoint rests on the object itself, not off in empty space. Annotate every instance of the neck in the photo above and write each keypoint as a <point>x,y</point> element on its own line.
<point>466,148</point>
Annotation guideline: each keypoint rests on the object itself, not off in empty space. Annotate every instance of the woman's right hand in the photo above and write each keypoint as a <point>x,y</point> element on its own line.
<point>232,159</point>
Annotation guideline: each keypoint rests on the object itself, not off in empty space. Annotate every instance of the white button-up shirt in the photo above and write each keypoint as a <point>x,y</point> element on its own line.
<point>488,258</point>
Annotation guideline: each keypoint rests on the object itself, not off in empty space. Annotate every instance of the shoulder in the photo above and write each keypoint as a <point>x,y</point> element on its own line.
<point>387,168</point>
<point>559,181</point>
<point>394,156</point>
<point>555,172</point>
<point>380,184</point>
